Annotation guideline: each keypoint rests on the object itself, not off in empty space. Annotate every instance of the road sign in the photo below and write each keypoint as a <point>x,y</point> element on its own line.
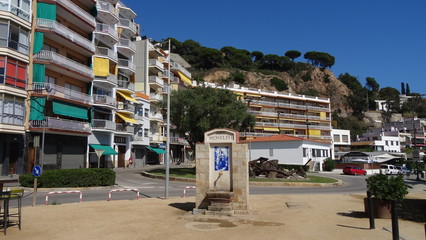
<point>99,153</point>
<point>37,171</point>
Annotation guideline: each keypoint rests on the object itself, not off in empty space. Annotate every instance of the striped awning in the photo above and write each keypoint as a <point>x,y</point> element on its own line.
<point>185,78</point>
<point>271,129</point>
<point>126,117</point>
<point>127,96</point>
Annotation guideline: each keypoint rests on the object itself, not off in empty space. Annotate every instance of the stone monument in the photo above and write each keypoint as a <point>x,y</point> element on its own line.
<point>221,174</point>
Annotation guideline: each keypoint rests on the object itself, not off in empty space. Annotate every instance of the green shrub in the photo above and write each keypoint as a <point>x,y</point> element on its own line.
<point>279,84</point>
<point>329,165</point>
<point>387,188</point>
<point>86,177</point>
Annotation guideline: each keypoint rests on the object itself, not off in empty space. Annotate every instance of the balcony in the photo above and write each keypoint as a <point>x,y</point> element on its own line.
<point>178,140</point>
<point>106,12</point>
<point>111,79</point>
<point>101,124</point>
<point>126,47</point>
<point>123,128</point>
<point>106,34</point>
<point>319,118</point>
<point>126,85</point>
<point>177,66</point>
<point>61,92</point>
<point>104,100</point>
<point>260,113</point>
<point>127,66</point>
<point>78,13</point>
<point>124,106</point>
<point>288,115</point>
<point>128,26</point>
<point>106,52</point>
<point>155,97</point>
<point>53,123</point>
<point>125,11</point>
<point>6,5</point>
<point>158,117</point>
<point>64,65</point>
<point>156,138</point>
<point>64,32</point>
<point>154,63</point>
<point>155,82</point>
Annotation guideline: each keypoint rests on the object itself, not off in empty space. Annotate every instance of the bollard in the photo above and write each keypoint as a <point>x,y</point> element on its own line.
<point>394,213</point>
<point>370,210</point>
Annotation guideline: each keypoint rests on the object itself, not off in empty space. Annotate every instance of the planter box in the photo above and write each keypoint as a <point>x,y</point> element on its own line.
<point>382,209</point>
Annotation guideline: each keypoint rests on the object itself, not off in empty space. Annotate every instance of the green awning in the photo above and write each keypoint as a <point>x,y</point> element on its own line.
<point>39,72</point>
<point>38,42</point>
<point>46,10</point>
<point>69,110</point>
<point>37,108</point>
<point>108,150</point>
<point>157,150</point>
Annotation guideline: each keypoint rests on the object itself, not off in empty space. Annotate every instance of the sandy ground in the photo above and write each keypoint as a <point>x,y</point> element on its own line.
<point>301,216</point>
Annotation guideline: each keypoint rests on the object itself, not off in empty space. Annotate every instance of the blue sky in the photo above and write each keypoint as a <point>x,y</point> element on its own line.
<point>385,40</point>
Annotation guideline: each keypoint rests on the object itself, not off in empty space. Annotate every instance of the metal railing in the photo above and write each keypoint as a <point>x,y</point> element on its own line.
<point>103,124</point>
<point>120,127</point>
<point>58,59</point>
<point>156,116</point>
<point>127,44</point>
<point>61,124</point>
<point>107,29</point>
<point>125,106</point>
<point>180,68</point>
<point>74,8</point>
<point>269,114</point>
<point>125,23</point>
<point>178,140</point>
<point>293,115</point>
<point>104,100</point>
<point>6,5</point>
<point>124,63</point>
<point>156,80</point>
<point>106,52</point>
<point>65,32</point>
<point>289,105</point>
<point>107,7</point>
<point>125,84</point>
<point>154,96</point>
<point>61,92</point>
<point>156,63</point>
<point>110,78</point>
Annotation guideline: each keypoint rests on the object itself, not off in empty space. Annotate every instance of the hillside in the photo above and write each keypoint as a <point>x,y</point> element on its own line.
<point>322,82</point>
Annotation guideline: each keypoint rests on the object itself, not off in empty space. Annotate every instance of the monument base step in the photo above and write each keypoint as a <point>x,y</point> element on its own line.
<point>220,213</point>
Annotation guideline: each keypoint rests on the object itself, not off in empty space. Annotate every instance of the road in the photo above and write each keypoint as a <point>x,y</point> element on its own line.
<point>155,188</point>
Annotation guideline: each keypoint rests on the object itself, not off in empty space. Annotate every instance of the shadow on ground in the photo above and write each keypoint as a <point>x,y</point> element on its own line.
<point>188,206</point>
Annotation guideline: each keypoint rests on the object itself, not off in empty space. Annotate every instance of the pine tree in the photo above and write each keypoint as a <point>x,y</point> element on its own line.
<point>402,88</point>
<point>407,89</point>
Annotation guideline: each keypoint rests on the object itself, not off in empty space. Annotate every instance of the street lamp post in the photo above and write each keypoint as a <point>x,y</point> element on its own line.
<point>166,188</point>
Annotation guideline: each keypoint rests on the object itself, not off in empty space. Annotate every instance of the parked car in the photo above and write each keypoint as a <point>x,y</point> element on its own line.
<point>354,170</point>
<point>403,170</point>
<point>388,169</point>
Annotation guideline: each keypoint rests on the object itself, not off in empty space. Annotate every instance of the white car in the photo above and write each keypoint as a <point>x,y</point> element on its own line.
<point>388,169</point>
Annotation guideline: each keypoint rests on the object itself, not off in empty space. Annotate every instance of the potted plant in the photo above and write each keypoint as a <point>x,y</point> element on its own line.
<point>384,189</point>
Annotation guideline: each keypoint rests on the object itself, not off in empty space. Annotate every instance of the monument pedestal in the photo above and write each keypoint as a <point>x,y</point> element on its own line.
<point>220,203</point>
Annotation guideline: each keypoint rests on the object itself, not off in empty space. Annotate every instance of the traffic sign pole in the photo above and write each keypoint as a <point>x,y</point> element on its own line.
<point>37,173</point>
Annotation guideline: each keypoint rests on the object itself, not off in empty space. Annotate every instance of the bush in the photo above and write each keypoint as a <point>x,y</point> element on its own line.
<point>387,188</point>
<point>329,165</point>
<point>86,177</point>
<point>279,84</point>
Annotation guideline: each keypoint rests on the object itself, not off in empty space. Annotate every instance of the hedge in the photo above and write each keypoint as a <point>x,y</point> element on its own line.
<point>85,177</point>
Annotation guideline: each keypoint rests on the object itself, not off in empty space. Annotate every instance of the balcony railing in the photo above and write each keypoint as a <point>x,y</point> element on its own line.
<point>156,138</point>
<point>124,128</point>
<point>61,125</point>
<point>104,124</point>
<point>111,79</point>
<point>6,5</point>
<point>61,92</point>
<point>104,100</point>
<point>157,64</point>
<point>181,69</point>
<point>289,105</point>
<point>156,116</point>
<point>107,7</point>
<point>107,29</point>
<point>126,85</point>
<point>51,25</point>
<point>74,8</point>
<point>123,63</point>
<point>284,115</point>
<point>127,44</point>
<point>178,140</point>
<point>319,118</point>
<point>269,114</point>
<point>58,59</point>
<point>125,23</point>
<point>154,96</point>
<point>125,106</point>
<point>156,80</point>
<point>106,52</point>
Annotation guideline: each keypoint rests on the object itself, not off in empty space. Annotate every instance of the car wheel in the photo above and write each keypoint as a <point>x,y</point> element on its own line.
<point>365,174</point>
<point>355,173</point>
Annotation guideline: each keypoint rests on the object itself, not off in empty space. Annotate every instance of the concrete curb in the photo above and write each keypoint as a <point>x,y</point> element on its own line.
<point>287,184</point>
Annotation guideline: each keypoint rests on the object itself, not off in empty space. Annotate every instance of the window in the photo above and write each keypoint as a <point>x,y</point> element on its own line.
<point>345,138</point>
<point>145,132</point>
<point>102,92</point>
<point>386,143</point>
<point>146,113</point>
<point>12,109</point>
<point>13,72</point>
<point>49,48</point>
<point>4,33</point>
<point>14,37</point>
<point>336,137</point>
<point>305,152</point>
<point>48,79</point>
<point>271,152</point>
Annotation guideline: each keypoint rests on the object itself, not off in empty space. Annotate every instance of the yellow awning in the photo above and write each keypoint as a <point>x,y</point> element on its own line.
<point>273,118</point>
<point>271,129</point>
<point>252,95</point>
<point>127,118</point>
<point>258,127</point>
<point>185,78</point>
<point>127,96</point>
<point>101,66</point>
<point>239,93</point>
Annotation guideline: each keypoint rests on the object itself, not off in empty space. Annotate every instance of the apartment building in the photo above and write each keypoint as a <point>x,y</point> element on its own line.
<point>15,30</point>
<point>60,98</point>
<point>341,142</point>
<point>290,114</point>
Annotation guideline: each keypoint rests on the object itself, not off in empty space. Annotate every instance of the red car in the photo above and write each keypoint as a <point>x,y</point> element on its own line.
<point>353,170</point>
